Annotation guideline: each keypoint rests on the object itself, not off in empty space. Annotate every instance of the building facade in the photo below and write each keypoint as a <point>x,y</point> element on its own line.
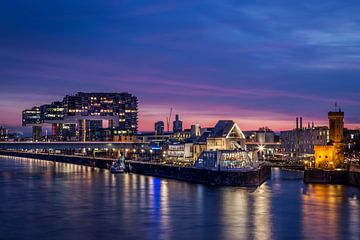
<point>331,156</point>
<point>300,142</point>
<point>261,136</point>
<point>180,153</point>
<point>77,116</point>
<point>227,159</point>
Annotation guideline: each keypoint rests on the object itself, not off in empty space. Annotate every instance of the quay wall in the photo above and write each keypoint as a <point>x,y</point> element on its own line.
<point>249,178</point>
<point>351,176</point>
<point>354,176</point>
<point>80,160</point>
<point>326,176</point>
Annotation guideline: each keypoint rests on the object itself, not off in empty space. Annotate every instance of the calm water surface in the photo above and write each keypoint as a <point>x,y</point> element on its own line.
<point>45,200</point>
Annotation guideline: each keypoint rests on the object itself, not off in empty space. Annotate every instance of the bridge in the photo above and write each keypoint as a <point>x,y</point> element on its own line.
<point>73,145</point>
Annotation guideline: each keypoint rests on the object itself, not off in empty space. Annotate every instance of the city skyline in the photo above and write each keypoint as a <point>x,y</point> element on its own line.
<point>258,63</point>
<point>210,123</point>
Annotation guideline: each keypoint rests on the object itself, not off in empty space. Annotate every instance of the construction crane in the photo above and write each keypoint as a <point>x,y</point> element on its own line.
<point>168,119</point>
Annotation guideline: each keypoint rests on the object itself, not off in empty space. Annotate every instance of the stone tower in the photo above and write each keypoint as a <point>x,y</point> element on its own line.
<point>332,155</point>
<point>336,125</point>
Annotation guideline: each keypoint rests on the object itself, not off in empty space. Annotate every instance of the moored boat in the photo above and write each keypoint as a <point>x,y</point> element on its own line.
<point>118,166</point>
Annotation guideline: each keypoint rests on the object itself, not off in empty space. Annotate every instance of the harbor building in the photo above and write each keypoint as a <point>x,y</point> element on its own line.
<point>227,159</point>
<point>200,144</point>
<point>181,152</point>
<point>226,135</point>
<point>184,148</point>
<point>331,155</point>
<point>299,143</point>
<point>78,116</point>
<point>261,136</point>
<point>152,137</point>
<point>265,142</point>
<point>181,135</point>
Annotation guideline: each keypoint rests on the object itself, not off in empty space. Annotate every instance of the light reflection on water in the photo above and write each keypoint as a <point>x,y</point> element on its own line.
<point>47,200</point>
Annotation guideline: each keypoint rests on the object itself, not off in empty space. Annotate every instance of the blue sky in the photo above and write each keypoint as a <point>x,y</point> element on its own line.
<point>261,63</point>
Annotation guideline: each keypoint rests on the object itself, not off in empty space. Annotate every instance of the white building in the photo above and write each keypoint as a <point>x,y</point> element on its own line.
<point>226,136</point>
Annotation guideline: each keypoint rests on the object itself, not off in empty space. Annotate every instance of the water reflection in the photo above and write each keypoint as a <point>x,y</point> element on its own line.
<point>326,209</point>
<point>61,201</point>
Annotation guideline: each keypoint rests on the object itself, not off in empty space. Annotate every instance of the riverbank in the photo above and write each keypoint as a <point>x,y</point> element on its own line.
<point>79,160</point>
<point>341,176</point>
<point>239,178</point>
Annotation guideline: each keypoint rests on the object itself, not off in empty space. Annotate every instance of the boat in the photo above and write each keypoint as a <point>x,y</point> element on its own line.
<point>118,166</point>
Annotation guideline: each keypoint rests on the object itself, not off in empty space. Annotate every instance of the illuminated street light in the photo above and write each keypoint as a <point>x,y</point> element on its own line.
<point>261,148</point>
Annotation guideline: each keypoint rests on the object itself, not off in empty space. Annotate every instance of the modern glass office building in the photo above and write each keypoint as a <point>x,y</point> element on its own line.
<point>79,115</point>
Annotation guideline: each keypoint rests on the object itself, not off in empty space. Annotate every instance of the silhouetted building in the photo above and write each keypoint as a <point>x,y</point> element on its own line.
<point>177,124</point>
<point>159,128</point>
<point>4,134</point>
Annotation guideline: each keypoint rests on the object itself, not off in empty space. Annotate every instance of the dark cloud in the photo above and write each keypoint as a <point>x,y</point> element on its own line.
<point>260,62</point>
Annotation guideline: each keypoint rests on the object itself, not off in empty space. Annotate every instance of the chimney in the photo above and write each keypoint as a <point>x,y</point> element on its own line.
<point>297,123</point>
<point>301,126</point>
<point>313,125</point>
<point>308,125</point>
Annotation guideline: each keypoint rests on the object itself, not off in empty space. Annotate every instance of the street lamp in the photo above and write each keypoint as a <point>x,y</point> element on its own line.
<point>151,152</point>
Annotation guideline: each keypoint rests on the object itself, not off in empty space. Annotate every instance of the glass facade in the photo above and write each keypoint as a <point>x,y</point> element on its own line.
<point>87,112</point>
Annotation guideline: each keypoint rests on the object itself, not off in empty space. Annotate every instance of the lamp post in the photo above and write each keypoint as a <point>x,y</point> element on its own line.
<point>134,152</point>
<point>142,153</point>
<point>151,152</point>
<point>126,152</point>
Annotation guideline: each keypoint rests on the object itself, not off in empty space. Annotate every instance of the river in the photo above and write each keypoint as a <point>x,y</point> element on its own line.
<point>46,200</point>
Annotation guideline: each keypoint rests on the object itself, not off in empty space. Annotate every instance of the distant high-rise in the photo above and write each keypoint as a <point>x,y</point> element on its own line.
<point>4,134</point>
<point>177,124</point>
<point>80,114</point>
<point>159,128</point>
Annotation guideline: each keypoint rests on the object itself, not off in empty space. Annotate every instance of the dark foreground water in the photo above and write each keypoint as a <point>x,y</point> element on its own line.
<point>45,200</point>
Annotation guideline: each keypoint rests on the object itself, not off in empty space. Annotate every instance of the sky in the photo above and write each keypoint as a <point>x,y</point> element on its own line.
<point>258,62</point>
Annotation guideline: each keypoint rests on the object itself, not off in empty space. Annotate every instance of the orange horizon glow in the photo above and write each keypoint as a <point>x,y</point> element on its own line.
<point>205,116</point>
